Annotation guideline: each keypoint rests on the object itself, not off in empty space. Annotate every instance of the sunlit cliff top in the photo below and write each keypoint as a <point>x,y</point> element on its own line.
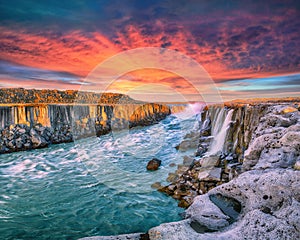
<point>34,96</point>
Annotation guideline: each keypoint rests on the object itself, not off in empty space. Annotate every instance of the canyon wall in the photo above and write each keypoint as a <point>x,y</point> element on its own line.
<point>243,182</point>
<point>38,125</point>
<point>228,129</point>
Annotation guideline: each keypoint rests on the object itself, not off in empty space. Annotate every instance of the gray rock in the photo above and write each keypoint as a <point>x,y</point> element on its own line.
<point>257,191</point>
<point>210,161</point>
<point>187,160</point>
<point>133,236</point>
<point>212,174</point>
<point>207,213</point>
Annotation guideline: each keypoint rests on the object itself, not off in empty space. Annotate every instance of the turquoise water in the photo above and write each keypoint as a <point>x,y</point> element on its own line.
<point>95,186</point>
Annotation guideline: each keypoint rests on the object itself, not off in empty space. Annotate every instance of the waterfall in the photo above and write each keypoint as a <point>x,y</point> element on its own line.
<point>219,130</point>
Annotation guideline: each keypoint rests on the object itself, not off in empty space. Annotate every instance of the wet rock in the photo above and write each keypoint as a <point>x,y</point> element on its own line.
<point>172,177</point>
<point>181,169</point>
<point>213,174</point>
<point>187,144</point>
<point>199,228</point>
<point>153,164</point>
<point>210,161</point>
<point>156,185</point>
<point>187,160</point>
<point>205,132</point>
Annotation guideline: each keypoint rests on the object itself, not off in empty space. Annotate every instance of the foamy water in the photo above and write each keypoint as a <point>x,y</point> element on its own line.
<point>95,186</point>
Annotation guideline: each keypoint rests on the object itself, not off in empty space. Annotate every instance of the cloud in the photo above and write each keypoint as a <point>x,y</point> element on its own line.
<point>23,72</point>
<point>230,39</point>
<point>73,52</point>
<point>14,75</point>
<point>275,84</point>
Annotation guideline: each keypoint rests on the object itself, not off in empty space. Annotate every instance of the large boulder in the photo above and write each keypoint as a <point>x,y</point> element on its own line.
<point>153,164</point>
<point>270,209</point>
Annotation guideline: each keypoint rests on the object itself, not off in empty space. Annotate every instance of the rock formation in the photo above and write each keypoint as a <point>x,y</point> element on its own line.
<point>249,187</point>
<point>31,125</point>
<point>264,140</point>
<point>30,96</point>
<point>153,164</point>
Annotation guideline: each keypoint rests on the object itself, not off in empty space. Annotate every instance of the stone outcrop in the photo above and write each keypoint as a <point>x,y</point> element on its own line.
<point>265,144</point>
<point>224,136</point>
<point>32,126</point>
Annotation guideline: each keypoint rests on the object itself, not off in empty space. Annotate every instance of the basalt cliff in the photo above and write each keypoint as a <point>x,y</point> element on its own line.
<point>32,119</point>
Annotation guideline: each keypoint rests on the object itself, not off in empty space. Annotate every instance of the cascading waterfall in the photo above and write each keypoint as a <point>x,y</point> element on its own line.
<point>219,130</point>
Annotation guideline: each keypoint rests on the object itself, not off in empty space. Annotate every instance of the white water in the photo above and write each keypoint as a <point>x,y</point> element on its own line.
<point>95,186</point>
<point>219,131</point>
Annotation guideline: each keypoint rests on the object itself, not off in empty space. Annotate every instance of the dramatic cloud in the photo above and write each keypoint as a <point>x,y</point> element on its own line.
<point>60,42</point>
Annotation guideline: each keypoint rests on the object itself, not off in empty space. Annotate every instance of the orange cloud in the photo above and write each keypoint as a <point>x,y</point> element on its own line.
<point>228,50</point>
<point>72,52</point>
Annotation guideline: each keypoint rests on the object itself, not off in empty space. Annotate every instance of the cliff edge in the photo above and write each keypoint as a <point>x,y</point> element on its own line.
<point>31,119</point>
<point>260,157</point>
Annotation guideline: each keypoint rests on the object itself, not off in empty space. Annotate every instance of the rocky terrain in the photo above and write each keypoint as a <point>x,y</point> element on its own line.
<point>244,180</point>
<point>261,199</point>
<point>33,125</point>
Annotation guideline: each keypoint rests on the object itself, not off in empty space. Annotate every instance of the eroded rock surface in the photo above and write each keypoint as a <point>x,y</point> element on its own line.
<point>268,189</point>
<point>270,209</point>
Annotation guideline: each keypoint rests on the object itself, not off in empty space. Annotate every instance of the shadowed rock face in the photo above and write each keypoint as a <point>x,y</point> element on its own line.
<point>36,126</point>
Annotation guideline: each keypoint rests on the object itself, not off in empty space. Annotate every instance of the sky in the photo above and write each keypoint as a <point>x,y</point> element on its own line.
<point>244,49</point>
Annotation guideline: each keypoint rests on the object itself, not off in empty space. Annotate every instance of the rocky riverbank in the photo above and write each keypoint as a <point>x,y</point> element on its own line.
<point>259,158</point>
<point>243,181</point>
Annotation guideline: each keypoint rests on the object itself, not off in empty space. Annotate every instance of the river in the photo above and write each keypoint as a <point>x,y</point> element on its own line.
<point>95,186</point>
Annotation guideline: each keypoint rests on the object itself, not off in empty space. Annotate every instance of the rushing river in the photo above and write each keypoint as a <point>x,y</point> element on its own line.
<point>95,186</point>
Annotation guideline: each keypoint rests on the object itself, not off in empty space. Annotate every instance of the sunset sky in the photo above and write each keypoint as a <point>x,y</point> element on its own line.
<point>248,48</point>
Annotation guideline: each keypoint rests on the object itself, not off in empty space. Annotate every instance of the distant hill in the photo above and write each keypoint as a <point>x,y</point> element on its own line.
<point>25,96</point>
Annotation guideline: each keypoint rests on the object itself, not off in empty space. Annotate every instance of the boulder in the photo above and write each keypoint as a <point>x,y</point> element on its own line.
<point>153,164</point>
<point>210,161</point>
<point>270,209</point>
<point>212,174</point>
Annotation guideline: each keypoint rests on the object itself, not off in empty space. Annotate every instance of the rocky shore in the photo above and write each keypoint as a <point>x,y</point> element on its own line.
<point>243,181</point>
